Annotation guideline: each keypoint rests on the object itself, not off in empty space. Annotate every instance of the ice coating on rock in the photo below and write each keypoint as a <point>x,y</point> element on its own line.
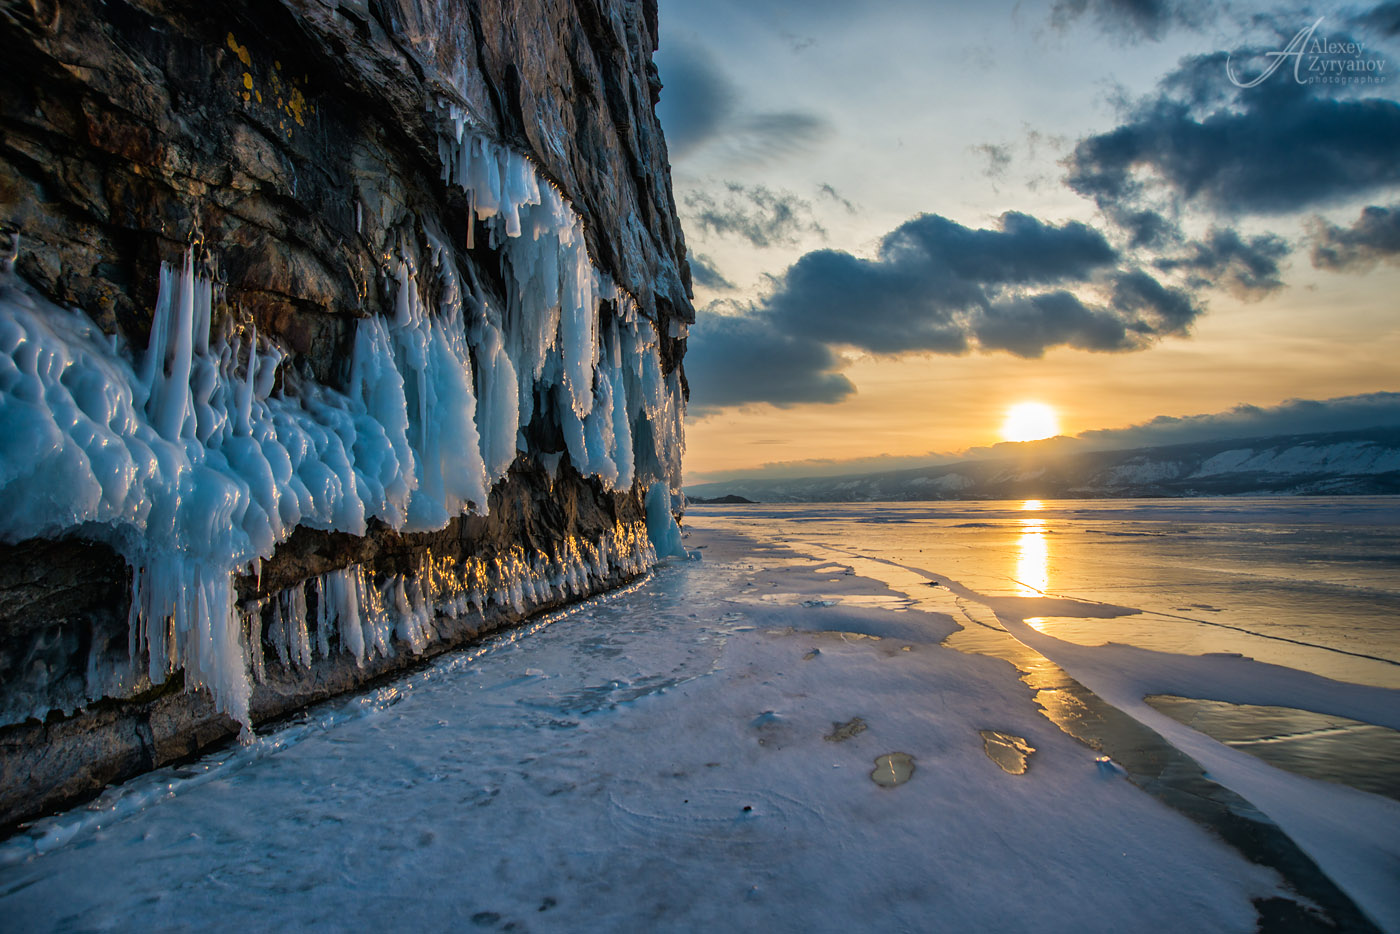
<point>353,614</point>
<point>603,375</point>
<point>194,460</point>
<point>661,523</point>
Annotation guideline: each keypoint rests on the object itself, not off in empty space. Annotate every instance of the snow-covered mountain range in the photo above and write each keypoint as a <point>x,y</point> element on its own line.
<point>1363,461</point>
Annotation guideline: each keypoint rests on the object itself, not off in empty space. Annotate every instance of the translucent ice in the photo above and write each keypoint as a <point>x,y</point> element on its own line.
<point>194,460</point>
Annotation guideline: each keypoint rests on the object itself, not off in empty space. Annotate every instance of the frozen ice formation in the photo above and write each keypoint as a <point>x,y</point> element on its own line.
<point>354,615</point>
<point>661,522</point>
<point>196,456</point>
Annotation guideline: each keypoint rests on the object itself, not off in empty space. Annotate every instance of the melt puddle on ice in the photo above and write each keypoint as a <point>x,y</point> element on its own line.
<point>840,732</point>
<point>891,769</point>
<point>1011,753</point>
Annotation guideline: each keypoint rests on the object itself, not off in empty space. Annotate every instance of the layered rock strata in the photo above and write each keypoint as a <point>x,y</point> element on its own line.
<point>332,334</point>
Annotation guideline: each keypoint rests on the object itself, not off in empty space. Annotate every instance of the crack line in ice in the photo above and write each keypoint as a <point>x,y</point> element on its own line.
<point>1350,834</point>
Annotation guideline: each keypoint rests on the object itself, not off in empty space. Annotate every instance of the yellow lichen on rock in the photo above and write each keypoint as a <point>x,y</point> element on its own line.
<point>240,50</point>
<point>296,105</point>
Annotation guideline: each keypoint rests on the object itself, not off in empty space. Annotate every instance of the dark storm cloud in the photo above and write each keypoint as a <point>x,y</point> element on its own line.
<point>1384,18</point>
<point>1373,238</point>
<point>1274,148</point>
<point>704,273</point>
<point>938,286</point>
<point>700,105</point>
<point>1135,19</point>
<point>1147,228</point>
<point>1024,250</point>
<point>1247,268</point>
<point>1027,325</point>
<point>934,286</point>
<point>756,214</point>
<point>736,360</point>
<point>1149,308</point>
<point>696,98</point>
<point>880,306</point>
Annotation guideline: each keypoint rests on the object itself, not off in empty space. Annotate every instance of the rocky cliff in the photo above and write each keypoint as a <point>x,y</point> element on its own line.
<point>332,334</point>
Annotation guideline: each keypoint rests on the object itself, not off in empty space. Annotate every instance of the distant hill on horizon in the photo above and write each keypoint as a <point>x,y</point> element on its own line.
<point>1356,462</point>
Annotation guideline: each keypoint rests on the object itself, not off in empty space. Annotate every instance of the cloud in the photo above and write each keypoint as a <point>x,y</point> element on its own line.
<point>935,286</point>
<point>1134,19</point>
<point>763,217</point>
<point>704,273</point>
<point>998,158</point>
<point>797,43</point>
<point>697,100</point>
<point>822,467</point>
<point>1384,18</point>
<point>827,191</point>
<point>1275,148</point>
<point>736,360</point>
<point>1248,269</point>
<point>1027,325</point>
<point>1024,250</point>
<point>762,138</point>
<point>1293,417</point>
<point>701,107</point>
<point>1152,308</point>
<point>1373,238</point>
<point>938,286</point>
<point>1147,228</point>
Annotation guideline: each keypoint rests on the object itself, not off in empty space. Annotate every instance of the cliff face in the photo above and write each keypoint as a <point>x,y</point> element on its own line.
<point>383,304</point>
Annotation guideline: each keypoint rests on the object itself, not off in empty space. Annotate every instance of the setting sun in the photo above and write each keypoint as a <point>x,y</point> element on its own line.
<point>1030,421</point>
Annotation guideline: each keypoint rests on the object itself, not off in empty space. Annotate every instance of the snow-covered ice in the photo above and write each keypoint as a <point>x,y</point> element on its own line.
<point>702,750</point>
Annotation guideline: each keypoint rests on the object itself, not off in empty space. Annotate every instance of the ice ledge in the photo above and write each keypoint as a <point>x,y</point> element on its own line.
<point>60,761</point>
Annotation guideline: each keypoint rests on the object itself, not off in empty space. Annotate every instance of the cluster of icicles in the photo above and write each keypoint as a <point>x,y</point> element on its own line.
<point>191,464</point>
<point>353,615</point>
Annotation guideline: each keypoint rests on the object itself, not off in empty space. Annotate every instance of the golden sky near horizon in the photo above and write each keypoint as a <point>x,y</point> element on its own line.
<point>802,136</point>
<point>1334,340</point>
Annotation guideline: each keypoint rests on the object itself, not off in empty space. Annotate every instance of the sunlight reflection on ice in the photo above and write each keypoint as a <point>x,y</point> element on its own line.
<point>1032,560</point>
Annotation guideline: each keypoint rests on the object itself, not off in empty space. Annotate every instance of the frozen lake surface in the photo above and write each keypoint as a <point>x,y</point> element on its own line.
<point>799,732</point>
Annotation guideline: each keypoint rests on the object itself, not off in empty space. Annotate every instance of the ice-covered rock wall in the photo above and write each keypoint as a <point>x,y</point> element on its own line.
<point>331,334</point>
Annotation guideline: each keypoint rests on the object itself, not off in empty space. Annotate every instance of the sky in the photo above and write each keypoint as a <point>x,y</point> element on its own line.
<point>904,221</point>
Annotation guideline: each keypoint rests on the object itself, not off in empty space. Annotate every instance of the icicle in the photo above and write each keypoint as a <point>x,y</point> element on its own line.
<point>195,470</point>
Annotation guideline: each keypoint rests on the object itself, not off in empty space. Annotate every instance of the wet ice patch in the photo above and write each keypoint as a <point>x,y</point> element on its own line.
<point>840,732</point>
<point>893,769</point>
<point>1332,748</point>
<point>1011,753</point>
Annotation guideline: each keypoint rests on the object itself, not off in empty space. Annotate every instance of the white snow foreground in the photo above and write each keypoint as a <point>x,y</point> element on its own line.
<point>655,761</point>
<point>189,462</point>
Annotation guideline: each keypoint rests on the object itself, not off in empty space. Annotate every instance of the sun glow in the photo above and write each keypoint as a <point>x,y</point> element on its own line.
<point>1030,421</point>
